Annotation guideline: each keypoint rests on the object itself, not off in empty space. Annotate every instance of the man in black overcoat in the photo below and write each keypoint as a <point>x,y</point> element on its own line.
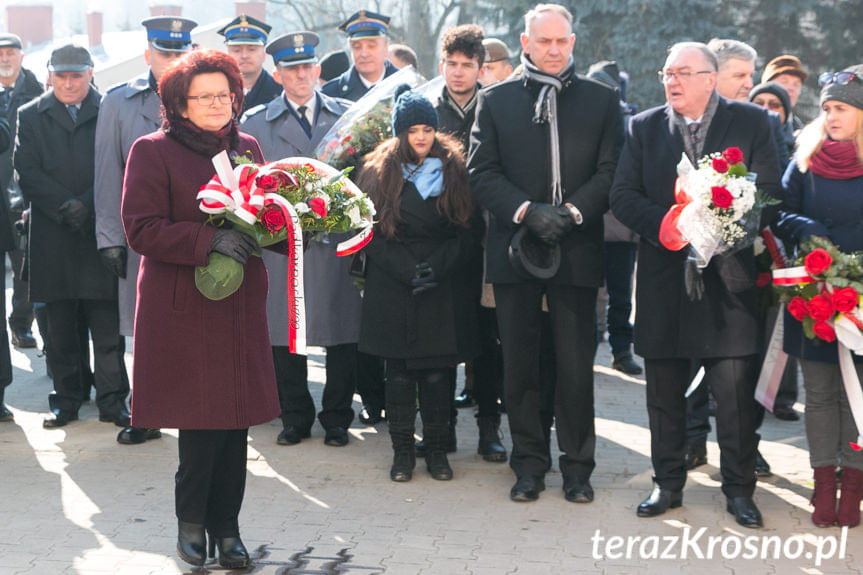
<point>673,325</point>
<point>54,157</point>
<point>543,153</point>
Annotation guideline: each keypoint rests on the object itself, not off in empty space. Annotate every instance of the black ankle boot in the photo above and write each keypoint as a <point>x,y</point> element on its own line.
<point>438,465</point>
<point>404,462</point>
<point>191,543</point>
<point>232,552</point>
<point>490,446</point>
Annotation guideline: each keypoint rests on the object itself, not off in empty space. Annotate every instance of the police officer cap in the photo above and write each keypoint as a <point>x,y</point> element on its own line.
<point>294,49</point>
<point>70,58</point>
<point>245,30</point>
<point>10,41</point>
<point>365,23</point>
<point>169,33</point>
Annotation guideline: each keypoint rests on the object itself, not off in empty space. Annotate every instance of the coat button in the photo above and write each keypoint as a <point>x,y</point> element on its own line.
<point>345,88</point>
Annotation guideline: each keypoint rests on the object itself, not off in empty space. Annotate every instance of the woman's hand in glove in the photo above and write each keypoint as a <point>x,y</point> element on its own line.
<point>236,245</point>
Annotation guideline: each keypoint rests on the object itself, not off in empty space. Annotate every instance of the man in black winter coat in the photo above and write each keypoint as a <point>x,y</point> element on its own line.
<point>17,87</point>
<point>543,153</point>
<point>54,157</point>
<point>674,327</point>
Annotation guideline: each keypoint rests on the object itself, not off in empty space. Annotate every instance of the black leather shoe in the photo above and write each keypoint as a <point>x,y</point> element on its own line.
<point>120,419</point>
<point>626,364</point>
<point>191,543</point>
<point>134,435</point>
<point>659,501</point>
<point>336,436</point>
<point>370,415</point>
<point>744,511</point>
<point>762,468</point>
<point>527,488</point>
<point>403,466</point>
<point>59,418</point>
<point>465,399</point>
<point>232,553</point>
<point>577,490</point>
<point>5,415</point>
<point>22,338</point>
<point>696,455</point>
<point>292,435</point>
<point>438,466</point>
<point>785,413</point>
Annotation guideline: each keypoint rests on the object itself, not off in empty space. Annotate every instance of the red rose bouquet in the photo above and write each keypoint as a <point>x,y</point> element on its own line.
<point>718,206</point>
<point>823,292</point>
<point>274,203</point>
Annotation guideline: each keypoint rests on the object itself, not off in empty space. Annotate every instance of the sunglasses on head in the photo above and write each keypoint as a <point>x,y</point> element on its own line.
<point>841,78</point>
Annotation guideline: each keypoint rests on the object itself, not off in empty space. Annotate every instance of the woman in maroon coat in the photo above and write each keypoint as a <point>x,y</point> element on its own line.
<point>202,366</point>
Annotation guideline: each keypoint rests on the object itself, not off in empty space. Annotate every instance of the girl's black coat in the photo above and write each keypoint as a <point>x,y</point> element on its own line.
<point>436,328</point>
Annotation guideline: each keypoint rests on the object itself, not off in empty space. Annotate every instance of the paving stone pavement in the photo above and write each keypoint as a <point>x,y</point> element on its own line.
<point>73,501</point>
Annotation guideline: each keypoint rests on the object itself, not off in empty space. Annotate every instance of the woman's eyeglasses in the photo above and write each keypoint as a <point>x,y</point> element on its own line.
<point>208,99</point>
<point>841,78</point>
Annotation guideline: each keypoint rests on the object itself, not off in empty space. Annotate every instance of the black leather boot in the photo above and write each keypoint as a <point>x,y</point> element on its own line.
<point>191,543</point>
<point>401,418</point>
<point>490,446</point>
<point>232,552</point>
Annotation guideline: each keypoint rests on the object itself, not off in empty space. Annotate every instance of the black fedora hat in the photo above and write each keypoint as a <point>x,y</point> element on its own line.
<point>532,258</point>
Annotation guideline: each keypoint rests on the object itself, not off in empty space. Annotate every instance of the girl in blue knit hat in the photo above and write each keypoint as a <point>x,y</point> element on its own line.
<point>423,273</point>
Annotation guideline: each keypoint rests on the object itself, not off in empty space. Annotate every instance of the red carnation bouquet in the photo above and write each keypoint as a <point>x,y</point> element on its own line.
<point>823,292</point>
<point>718,206</point>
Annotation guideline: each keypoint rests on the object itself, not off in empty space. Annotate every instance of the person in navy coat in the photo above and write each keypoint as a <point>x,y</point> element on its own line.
<point>672,329</point>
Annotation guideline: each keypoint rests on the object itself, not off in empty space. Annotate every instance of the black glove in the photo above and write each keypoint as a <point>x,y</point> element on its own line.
<point>236,245</point>
<point>692,278</point>
<point>114,258</point>
<point>73,213</point>
<point>545,222</point>
<point>568,218</point>
<point>423,279</point>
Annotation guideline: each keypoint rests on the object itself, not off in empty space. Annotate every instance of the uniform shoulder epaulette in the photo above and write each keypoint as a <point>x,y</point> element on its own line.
<point>252,111</point>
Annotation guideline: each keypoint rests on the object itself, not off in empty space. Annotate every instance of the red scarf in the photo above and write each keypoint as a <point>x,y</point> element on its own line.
<point>837,161</point>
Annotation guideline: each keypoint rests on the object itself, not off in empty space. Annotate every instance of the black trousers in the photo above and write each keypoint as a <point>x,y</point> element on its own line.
<point>21,316</point>
<point>298,408</point>
<point>211,478</point>
<point>109,374</point>
<point>572,312</point>
<point>732,381</point>
<point>433,387</point>
<point>488,366</point>
<point>5,355</point>
<point>619,265</point>
<point>370,381</point>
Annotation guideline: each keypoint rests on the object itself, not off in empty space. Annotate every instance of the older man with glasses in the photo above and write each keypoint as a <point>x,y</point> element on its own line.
<point>674,328</point>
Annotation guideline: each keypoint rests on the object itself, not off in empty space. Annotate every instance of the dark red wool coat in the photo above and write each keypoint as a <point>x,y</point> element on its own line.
<point>199,364</point>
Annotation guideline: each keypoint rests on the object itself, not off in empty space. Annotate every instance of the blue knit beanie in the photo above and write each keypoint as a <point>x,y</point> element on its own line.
<point>411,109</point>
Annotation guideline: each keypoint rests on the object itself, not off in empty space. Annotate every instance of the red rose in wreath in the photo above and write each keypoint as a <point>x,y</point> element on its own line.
<point>273,218</point>
<point>824,331</point>
<point>720,165</point>
<point>820,308</point>
<point>797,308</point>
<point>817,262</point>
<point>722,198</point>
<point>319,206</point>
<point>845,299</point>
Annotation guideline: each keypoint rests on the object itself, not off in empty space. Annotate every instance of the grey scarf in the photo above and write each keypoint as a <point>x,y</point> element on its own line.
<point>545,112</point>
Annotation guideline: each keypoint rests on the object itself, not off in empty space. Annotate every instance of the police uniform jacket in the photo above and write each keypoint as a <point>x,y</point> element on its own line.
<point>265,89</point>
<point>128,111</point>
<point>349,86</point>
<point>54,160</point>
<point>333,303</point>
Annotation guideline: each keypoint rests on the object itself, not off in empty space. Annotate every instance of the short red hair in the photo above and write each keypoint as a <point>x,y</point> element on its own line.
<point>175,82</point>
